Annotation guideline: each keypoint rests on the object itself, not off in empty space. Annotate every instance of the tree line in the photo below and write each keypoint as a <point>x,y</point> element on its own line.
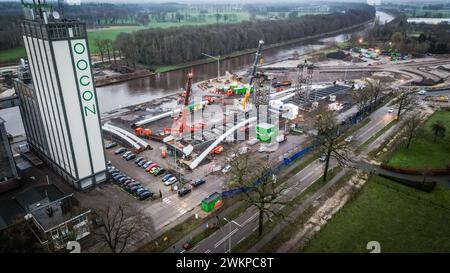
<point>183,44</point>
<point>412,38</point>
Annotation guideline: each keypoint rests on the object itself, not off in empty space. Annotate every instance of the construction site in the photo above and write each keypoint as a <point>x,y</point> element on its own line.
<point>267,110</point>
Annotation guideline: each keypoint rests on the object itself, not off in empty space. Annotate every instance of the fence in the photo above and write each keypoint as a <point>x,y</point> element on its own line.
<point>283,164</point>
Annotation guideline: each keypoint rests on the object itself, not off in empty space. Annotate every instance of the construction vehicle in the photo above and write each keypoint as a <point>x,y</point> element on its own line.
<point>143,132</point>
<point>180,125</point>
<point>281,84</point>
<point>253,73</point>
<point>245,100</point>
<point>217,150</point>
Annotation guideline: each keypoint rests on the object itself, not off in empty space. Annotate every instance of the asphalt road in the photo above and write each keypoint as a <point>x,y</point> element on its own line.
<point>245,224</point>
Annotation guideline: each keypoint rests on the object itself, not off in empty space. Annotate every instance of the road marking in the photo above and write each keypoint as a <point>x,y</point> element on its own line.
<point>207,251</point>
<point>254,229</point>
<point>370,129</point>
<point>240,241</point>
<point>250,219</point>
<point>225,238</point>
<point>184,250</point>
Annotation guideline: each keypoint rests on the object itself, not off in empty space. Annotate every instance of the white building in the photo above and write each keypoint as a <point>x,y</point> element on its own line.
<point>59,107</point>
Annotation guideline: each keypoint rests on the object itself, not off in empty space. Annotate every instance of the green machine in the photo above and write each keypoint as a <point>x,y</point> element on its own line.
<point>211,202</point>
<point>242,90</point>
<point>265,132</point>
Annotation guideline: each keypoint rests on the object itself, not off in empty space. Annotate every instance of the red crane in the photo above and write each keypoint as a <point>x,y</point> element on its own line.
<point>181,126</point>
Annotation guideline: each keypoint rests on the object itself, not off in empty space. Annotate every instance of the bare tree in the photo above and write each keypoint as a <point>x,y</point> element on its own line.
<point>361,98</point>
<point>262,190</point>
<point>412,127</point>
<point>374,87</point>
<point>328,137</point>
<point>119,226</point>
<point>438,129</point>
<point>107,44</point>
<point>406,100</point>
<point>101,48</point>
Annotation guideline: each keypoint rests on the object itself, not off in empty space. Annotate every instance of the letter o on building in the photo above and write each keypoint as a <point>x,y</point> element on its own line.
<point>84,82</point>
<point>79,48</point>
<point>87,95</point>
<point>82,65</point>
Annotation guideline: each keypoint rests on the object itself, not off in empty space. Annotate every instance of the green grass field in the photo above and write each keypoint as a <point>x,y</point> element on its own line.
<point>114,31</point>
<point>424,151</point>
<point>11,55</point>
<point>400,218</point>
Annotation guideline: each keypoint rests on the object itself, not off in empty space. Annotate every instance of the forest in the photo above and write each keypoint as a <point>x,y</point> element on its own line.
<point>177,45</point>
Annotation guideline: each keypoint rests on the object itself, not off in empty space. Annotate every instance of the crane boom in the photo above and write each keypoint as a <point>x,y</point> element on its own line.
<point>257,58</point>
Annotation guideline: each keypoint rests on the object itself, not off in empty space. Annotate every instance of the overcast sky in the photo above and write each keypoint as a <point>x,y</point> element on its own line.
<point>234,1</point>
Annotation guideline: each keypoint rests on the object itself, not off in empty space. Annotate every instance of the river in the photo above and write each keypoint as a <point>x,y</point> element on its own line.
<point>156,86</point>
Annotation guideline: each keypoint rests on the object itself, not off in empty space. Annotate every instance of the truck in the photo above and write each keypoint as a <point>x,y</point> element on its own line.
<point>281,138</point>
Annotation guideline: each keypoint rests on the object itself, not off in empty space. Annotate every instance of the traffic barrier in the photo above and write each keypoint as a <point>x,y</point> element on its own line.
<point>283,164</point>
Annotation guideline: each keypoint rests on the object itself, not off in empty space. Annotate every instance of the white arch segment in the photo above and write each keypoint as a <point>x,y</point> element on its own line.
<point>205,153</point>
<point>129,135</point>
<point>122,136</point>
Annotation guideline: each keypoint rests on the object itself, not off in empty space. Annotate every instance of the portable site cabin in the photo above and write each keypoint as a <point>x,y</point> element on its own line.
<point>265,132</point>
<point>211,202</point>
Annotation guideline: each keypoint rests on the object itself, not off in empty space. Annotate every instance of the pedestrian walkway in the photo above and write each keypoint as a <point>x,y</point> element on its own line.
<point>443,180</point>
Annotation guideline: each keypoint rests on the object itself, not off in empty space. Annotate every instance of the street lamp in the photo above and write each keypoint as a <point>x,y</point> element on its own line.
<point>229,234</point>
<point>218,64</point>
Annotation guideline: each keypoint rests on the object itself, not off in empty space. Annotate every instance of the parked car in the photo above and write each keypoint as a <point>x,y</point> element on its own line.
<point>391,110</point>
<point>198,182</point>
<point>154,170</point>
<point>146,165</point>
<point>144,195</point>
<point>118,176</point>
<point>113,171</point>
<point>134,189</point>
<point>115,175</point>
<point>127,182</point>
<point>159,172</point>
<point>123,179</point>
<point>142,163</point>
<point>138,159</point>
<point>130,157</point>
<point>226,169</point>
<point>150,167</point>
<point>120,150</point>
<point>126,154</point>
<point>349,139</point>
<point>130,186</point>
<point>111,145</point>
<point>140,190</point>
<point>183,191</point>
<point>422,92</point>
<point>166,177</point>
<point>170,181</point>
<point>323,158</point>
